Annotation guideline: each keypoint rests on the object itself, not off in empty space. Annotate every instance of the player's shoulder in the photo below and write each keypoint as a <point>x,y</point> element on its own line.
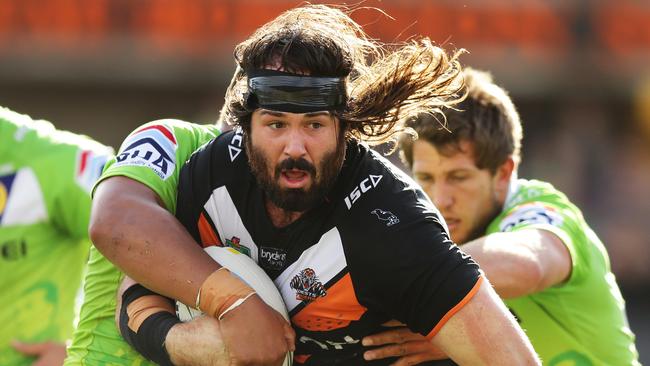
<point>230,144</point>
<point>162,144</point>
<point>370,177</point>
<point>535,202</point>
<point>38,143</point>
<point>35,134</point>
<point>171,133</point>
<point>219,162</point>
<point>14,125</point>
<point>535,192</point>
<point>225,151</point>
<point>381,197</point>
<point>523,190</point>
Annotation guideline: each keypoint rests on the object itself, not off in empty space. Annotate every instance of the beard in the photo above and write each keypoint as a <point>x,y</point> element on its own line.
<point>322,177</point>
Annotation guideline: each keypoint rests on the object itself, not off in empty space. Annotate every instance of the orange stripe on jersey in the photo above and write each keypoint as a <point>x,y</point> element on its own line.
<point>208,236</point>
<point>334,311</point>
<point>301,358</point>
<point>455,309</point>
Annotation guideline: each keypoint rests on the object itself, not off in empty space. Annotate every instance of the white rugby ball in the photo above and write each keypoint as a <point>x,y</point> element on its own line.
<point>245,268</point>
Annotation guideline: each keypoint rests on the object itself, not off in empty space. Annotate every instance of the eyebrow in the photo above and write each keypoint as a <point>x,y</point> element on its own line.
<point>460,170</point>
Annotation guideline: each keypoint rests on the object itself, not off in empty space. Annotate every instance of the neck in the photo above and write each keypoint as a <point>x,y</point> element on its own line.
<point>513,186</point>
<point>279,217</point>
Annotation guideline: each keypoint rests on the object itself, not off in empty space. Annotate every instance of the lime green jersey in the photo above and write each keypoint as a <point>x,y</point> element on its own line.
<point>45,179</point>
<point>152,155</point>
<point>582,321</point>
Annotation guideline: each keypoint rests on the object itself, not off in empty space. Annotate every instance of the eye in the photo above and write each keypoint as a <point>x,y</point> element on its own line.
<point>458,177</point>
<point>315,125</point>
<point>424,178</point>
<point>276,125</point>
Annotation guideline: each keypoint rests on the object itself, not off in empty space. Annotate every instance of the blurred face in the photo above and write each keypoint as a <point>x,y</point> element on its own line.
<point>296,157</point>
<point>468,197</point>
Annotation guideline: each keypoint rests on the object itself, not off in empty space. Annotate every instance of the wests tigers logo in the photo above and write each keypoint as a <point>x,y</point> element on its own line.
<point>307,285</point>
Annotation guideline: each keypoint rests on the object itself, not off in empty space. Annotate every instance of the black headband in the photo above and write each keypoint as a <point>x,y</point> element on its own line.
<point>294,93</point>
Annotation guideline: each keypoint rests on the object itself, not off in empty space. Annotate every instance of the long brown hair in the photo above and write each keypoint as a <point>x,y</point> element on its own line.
<point>386,84</point>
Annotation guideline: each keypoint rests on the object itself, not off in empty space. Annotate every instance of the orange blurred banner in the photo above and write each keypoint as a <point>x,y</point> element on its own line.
<point>205,26</point>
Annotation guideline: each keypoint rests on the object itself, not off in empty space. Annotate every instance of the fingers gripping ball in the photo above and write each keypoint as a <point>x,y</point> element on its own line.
<point>246,269</point>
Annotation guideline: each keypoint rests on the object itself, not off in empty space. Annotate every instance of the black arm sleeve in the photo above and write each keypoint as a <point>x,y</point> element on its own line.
<point>149,341</point>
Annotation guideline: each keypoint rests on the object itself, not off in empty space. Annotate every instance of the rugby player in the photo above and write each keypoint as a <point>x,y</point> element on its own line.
<point>359,243</point>
<point>45,180</point>
<point>532,242</point>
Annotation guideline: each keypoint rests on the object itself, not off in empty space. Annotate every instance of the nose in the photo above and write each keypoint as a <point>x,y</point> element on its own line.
<point>441,196</point>
<point>294,146</point>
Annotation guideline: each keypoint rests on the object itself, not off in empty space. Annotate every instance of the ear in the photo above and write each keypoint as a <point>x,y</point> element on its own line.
<point>502,177</point>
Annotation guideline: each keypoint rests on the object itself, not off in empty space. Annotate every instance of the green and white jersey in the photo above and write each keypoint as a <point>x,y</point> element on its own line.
<point>582,321</point>
<point>45,179</point>
<point>152,155</point>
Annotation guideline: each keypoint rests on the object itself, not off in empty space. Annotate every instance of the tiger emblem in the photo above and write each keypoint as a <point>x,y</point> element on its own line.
<point>307,285</point>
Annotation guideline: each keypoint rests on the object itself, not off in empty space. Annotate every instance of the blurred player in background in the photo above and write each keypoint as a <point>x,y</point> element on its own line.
<point>294,180</point>
<point>45,179</point>
<point>532,242</point>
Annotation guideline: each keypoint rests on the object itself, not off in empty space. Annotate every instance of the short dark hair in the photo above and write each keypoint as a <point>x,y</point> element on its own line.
<point>487,118</point>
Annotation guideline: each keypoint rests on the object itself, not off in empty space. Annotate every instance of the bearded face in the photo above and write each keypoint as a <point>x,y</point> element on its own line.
<point>295,158</point>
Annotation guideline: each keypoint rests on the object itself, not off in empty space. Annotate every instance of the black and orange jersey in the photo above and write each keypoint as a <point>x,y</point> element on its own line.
<point>376,249</point>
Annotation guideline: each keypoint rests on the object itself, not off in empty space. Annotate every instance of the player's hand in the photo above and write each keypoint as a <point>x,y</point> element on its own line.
<point>46,353</point>
<point>411,348</point>
<point>255,334</point>
<point>197,342</point>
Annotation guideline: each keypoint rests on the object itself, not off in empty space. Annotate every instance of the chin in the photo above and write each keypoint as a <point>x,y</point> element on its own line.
<point>460,242</point>
<point>460,238</point>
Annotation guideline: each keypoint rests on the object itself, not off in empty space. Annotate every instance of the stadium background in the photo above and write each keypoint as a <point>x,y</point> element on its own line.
<point>578,71</point>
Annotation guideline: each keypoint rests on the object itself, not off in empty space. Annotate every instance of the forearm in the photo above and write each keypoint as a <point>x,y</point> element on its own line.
<point>132,230</point>
<point>511,264</point>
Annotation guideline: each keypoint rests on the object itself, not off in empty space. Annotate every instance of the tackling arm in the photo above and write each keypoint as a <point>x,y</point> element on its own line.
<point>483,332</point>
<point>130,226</point>
<point>132,229</point>
<point>521,262</point>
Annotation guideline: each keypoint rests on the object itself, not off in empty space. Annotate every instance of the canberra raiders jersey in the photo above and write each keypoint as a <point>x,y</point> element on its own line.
<point>582,321</point>
<point>45,179</point>
<point>376,249</point>
<point>153,155</point>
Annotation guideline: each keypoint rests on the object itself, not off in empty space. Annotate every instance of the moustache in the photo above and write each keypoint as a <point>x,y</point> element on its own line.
<point>299,164</point>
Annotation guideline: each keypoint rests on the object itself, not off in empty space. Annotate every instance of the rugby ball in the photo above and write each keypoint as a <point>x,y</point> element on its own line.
<point>245,268</point>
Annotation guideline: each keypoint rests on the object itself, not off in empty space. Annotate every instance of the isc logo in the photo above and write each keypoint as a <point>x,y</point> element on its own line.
<point>371,182</point>
<point>234,148</point>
